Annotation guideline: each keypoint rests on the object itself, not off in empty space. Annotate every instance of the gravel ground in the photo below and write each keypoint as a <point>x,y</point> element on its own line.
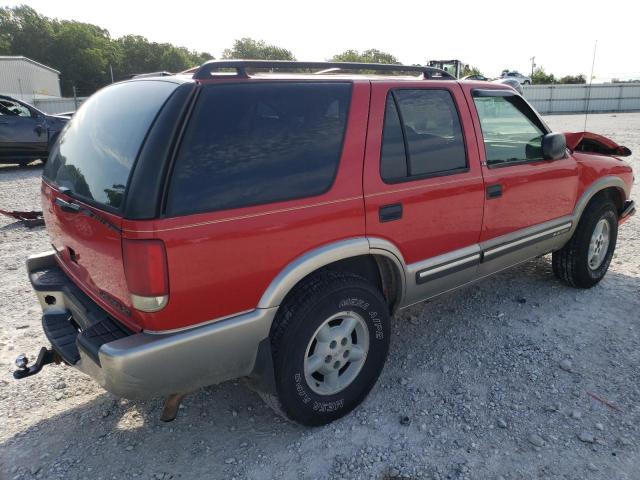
<point>516,377</point>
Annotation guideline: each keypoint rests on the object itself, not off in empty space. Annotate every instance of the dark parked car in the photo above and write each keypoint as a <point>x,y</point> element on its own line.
<point>26,133</point>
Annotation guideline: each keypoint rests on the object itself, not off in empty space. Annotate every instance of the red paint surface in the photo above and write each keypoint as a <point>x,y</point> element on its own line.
<point>440,214</point>
<point>221,263</point>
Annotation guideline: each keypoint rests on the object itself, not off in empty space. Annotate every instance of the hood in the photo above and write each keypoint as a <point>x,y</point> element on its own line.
<point>593,143</point>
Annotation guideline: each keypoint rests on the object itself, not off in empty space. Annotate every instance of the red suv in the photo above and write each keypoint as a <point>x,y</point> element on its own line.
<point>224,224</point>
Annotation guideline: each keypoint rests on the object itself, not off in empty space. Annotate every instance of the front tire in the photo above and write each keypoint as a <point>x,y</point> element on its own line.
<point>329,342</point>
<point>585,259</point>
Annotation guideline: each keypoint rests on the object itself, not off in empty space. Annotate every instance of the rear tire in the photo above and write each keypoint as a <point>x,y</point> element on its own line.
<point>329,343</point>
<point>585,259</point>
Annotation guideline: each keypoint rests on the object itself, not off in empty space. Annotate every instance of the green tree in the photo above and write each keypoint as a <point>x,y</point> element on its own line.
<point>371,55</point>
<point>540,77</point>
<point>139,55</point>
<point>469,70</point>
<point>83,53</point>
<point>26,33</point>
<point>250,49</point>
<point>573,79</point>
<point>5,32</point>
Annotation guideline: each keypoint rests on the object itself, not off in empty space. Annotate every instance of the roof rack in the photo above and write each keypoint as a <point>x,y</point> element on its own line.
<point>209,69</point>
<point>163,73</point>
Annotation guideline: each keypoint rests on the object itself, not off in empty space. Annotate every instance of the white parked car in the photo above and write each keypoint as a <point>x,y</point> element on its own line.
<point>522,79</point>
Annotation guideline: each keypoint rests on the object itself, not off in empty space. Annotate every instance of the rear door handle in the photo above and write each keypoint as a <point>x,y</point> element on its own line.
<point>67,206</point>
<point>494,191</point>
<point>389,213</point>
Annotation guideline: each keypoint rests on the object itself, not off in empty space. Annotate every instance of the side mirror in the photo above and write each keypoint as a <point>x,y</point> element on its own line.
<point>622,151</point>
<point>554,146</point>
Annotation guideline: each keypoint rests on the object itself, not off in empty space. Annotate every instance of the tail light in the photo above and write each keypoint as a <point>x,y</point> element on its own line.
<point>145,267</point>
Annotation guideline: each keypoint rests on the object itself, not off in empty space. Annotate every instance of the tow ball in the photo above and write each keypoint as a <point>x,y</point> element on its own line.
<point>45,357</point>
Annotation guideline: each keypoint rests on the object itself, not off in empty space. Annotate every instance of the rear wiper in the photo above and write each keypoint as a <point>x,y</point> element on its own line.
<point>72,207</point>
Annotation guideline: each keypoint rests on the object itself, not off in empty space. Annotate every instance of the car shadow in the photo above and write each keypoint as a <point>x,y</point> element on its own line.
<point>219,424</point>
<point>35,165</point>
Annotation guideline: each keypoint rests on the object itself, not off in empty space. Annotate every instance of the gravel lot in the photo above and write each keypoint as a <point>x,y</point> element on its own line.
<point>516,377</point>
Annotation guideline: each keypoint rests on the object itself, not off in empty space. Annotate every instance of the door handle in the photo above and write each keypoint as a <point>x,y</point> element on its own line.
<point>67,206</point>
<point>494,191</point>
<point>389,213</point>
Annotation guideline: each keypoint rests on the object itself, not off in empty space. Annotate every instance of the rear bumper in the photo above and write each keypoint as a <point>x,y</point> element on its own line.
<point>143,365</point>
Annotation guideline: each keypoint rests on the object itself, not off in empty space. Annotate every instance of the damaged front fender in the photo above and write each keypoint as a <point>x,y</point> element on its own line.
<point>593,143</point>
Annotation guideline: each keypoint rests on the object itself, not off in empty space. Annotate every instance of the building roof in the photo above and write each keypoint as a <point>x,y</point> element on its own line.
<point>25,59</point>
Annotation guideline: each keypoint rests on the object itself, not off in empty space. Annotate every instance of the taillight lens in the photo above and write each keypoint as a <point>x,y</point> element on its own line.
<point>145,267</point>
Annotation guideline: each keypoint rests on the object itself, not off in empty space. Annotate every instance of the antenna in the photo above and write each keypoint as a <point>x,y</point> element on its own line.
<point>586,110</point>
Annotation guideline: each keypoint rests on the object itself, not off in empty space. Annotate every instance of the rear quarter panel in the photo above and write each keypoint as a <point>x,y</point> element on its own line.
<point>220,263</point>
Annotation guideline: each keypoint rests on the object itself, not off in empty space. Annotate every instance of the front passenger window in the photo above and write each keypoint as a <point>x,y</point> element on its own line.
<point>510,136</point>
<point>13,109</point>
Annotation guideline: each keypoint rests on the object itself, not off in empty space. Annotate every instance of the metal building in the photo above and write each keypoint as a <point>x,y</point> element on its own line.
<point>27,79</point>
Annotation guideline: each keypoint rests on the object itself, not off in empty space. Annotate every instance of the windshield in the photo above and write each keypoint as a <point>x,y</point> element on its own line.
<point>96,150</point>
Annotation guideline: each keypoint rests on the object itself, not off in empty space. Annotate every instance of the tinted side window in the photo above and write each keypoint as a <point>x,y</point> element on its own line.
<point>393,160</point>
<point>259,143</point>
<point>510,136</point>
<point>431,132</point>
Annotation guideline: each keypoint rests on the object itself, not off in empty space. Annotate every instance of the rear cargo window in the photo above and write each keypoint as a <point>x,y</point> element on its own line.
<point>97,149</point>
<point>259,143</point>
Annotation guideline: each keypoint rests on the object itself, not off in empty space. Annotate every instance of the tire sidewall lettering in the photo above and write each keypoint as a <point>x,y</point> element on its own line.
<point>372,314</point>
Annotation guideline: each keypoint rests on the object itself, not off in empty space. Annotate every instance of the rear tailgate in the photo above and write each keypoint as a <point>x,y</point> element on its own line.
<point>84,186</point>
<point>90,252</point>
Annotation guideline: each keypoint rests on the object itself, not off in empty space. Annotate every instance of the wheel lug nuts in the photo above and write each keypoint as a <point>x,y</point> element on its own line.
<point>343,342</point>
<point>345,354</point>
<point>327,359</point>
<point>333,344</point>
<point>336,365</point>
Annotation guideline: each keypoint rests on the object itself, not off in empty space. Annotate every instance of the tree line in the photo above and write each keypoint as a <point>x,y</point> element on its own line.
<point>85,54</point>
<point>540,77</point>
<point>89,58</point>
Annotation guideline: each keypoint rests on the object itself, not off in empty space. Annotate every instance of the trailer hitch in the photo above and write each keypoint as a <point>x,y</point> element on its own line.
<point>45,357</point>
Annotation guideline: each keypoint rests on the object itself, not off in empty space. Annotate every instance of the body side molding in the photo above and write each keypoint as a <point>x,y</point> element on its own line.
<point>553,234</point>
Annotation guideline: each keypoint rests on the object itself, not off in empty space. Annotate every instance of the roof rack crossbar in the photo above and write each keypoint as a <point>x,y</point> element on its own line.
<point>209,69</point>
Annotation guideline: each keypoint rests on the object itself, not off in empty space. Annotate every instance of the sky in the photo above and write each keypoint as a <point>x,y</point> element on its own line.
<point>491,35</point>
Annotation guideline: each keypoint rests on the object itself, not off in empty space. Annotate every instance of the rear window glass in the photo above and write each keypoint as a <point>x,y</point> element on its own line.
<point>426,122</point>
<point>259,143</point>
<point>96,150</point>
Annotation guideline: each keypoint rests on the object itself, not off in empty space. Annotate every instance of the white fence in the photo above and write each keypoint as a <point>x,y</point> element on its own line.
<point>57,105</point>
<point>609,97</point>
